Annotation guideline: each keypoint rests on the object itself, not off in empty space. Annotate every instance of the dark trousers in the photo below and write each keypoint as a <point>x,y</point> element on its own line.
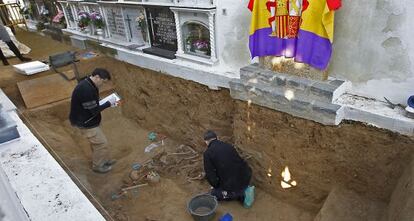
<point>223,195</point>
<point>14,49</point>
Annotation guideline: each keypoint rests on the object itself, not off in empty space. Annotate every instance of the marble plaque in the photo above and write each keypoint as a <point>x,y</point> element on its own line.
<point>134,30</point>
<point>115,23</point>
<point>93,8</point>
<point>163,31</point>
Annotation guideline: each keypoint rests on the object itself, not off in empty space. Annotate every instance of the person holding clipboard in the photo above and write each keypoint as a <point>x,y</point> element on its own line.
<point>85,114</point>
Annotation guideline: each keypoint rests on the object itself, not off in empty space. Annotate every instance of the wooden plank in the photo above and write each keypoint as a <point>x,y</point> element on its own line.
<point>49,89</point>
<point>45,90</point>
<point>70,74</point>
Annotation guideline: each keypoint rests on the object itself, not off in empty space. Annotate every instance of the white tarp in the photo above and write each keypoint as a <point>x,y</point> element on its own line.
<point>30,68</point>
<point>5,49</point>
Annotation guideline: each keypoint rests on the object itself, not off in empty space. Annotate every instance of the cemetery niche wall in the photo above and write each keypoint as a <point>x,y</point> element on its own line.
<point>173,29</point>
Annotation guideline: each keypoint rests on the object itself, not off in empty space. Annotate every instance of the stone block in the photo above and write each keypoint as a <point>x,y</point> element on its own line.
<point>310,99</point>
<point>322,91</point>
<point>299,83</point>
<point>336,82</point>
<point>299,106</point>
<point>279,81</point>
<point>325,108</point>
<point>254,91</point>
<point>278,98</point>
<point>237,90</point>
<point>249,72</point>
<point>78,42</point>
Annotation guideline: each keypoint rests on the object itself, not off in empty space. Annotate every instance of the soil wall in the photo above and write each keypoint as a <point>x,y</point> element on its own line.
<point>175,107</point>
<point>365,159</point>
<point>361,158</point>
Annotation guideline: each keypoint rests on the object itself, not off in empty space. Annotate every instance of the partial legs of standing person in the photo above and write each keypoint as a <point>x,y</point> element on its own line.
<point>101,162</point>
<point>15,50</point>
<point>3,58</point>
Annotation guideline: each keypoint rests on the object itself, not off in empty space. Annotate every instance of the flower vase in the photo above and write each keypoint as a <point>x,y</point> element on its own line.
<point>85,30</point>
<point>200,52</point>
<point>99,32</point>
<point>144,35</point>
<point>188,47</point>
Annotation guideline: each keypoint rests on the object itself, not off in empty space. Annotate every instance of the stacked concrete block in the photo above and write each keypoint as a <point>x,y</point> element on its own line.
<point>301,97</point>
<point>78,41</point>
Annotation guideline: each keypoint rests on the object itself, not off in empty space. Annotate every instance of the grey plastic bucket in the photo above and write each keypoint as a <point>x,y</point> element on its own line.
<point>202,207</point>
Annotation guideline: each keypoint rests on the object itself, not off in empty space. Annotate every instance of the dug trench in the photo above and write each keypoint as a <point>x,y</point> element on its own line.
<point>360,158</point>
<point>364,159</point>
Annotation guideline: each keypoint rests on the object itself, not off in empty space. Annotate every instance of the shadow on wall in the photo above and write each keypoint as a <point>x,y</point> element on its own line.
<point>363,159</point>
<point>236,51</point>
<point>377,47</point>
<point>395,91</point>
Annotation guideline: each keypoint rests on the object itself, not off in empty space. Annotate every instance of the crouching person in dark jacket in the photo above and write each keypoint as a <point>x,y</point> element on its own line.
<point>227,173</point>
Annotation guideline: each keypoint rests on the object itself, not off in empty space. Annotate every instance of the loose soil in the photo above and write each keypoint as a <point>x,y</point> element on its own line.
<point>163,201</point>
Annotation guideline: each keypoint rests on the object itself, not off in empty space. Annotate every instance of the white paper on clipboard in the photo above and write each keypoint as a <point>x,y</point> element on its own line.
<point>109,97</point>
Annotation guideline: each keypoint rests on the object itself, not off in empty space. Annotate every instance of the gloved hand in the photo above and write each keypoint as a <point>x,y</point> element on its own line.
<point>113,101</point>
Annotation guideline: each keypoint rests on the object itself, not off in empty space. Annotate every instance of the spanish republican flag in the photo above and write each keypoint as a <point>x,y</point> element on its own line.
<point>312,44</point>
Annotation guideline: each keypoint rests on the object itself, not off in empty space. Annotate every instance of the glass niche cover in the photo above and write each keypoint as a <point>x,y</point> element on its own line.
<point>196,39</point>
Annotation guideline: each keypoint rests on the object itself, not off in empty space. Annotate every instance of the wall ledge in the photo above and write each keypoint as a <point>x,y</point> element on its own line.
<point>43,188</point>
<point>376,113</point>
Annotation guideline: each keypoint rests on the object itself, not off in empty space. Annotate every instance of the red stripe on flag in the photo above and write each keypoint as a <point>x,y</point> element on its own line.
<point>270,5</point>
<point>334,4</point>
<point>251,4</point>
<point>305,5</point>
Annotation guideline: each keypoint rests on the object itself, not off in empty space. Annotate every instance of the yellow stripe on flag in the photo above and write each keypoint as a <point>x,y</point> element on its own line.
<point>318,19</point>
<point>260,16</point>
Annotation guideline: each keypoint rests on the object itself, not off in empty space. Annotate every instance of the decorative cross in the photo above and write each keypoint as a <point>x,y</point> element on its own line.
<point>70,14</point>
<point>128,20</point>
<point>152,24</point>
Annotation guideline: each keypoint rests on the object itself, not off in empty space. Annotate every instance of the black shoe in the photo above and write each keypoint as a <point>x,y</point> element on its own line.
<point>25,59</point>
<point>241,199</point>
<point>110,162</point>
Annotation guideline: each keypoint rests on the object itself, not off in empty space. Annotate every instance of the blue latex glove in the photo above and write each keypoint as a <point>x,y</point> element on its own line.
<point>152,136</point>
<point>226,217</point>
<point>248,197</point>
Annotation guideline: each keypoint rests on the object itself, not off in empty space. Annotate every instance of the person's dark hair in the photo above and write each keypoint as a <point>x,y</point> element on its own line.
<point>102,73</point>
<point>208,135</point>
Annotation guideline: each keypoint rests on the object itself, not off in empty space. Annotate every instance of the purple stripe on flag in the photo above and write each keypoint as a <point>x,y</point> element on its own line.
<point>313,50</point>
<point>308,48</point>
<point>262,44</point>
